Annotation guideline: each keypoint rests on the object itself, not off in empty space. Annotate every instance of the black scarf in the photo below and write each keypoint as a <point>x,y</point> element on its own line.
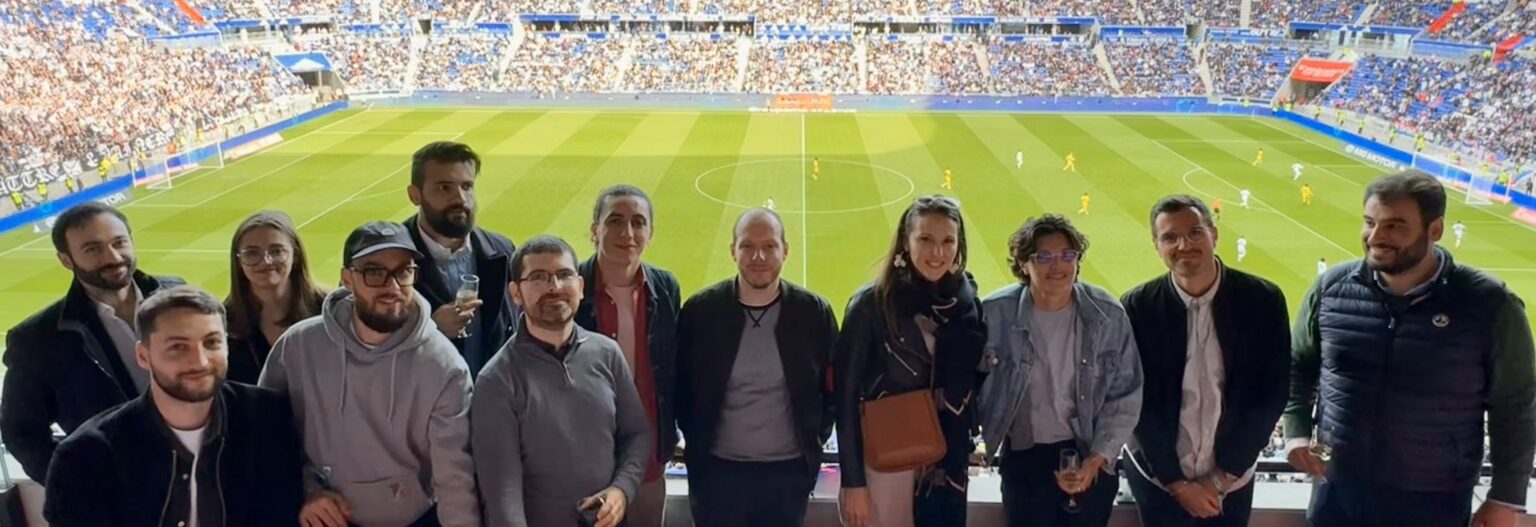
<point>959,340</point>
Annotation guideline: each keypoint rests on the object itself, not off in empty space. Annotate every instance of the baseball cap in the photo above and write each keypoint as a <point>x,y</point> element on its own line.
<point>376,236</point>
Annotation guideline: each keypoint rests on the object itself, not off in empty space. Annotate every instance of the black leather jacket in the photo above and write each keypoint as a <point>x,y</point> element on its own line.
<point>872,360</point>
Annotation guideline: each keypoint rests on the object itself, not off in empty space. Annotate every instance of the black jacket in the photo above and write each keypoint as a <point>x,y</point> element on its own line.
<point>61,367</point>
<point>872,360</point>
<point>708,338</point>
<point>1253,330</point>
<point>661,342</point>
<point>125,468</point>
<point>493,264</point>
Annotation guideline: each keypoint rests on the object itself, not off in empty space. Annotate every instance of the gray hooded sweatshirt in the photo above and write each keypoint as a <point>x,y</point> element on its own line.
<point>386,427</point>
<point>549,431</point>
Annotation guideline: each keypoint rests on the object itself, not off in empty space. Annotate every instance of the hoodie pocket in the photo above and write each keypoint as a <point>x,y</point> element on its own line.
<point>392,500</point>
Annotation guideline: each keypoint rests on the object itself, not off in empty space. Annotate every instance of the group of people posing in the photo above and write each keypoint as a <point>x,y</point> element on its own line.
<point>457,380</point>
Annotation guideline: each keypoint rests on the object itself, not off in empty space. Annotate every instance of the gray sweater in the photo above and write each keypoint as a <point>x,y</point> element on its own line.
<point>541,424</point>
<point>387,427</point>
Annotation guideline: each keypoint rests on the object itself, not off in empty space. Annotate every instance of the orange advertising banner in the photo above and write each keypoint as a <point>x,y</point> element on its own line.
<point>801,101</point>
<point>1320,70</point>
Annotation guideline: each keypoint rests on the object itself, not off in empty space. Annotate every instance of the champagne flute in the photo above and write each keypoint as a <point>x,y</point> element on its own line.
<point>1071,462</point>
<point>469,291</point>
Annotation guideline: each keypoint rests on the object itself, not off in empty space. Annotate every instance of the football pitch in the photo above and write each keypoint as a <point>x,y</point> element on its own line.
<point>542,169</point>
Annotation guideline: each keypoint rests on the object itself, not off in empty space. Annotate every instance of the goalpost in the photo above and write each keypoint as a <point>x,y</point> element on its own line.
<point>1476,184</point>
<point>162,175</point>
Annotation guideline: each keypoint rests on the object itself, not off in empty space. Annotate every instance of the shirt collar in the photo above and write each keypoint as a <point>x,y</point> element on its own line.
<point>1204,299</point>
<point>437,250</point>
<point>1423,288</point>
<point>107,311</point>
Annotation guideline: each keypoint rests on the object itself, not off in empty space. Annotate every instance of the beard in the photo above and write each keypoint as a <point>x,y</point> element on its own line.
<point>384,320</point>
<point>446,225</point>
<point>552,312</point>
<point>97,278</point>
<point>760,280</point>
<point>1401,258</point>
<point>180,389</point>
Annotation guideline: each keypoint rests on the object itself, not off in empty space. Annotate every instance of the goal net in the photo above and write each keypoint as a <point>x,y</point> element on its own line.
<point>162,175</point>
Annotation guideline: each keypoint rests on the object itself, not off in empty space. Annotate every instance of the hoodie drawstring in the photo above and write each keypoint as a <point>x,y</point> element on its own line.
<point>394,359</point>
<point>341,407</point>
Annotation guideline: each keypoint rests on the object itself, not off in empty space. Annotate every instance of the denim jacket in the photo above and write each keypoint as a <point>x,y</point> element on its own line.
<point>1108,370</point>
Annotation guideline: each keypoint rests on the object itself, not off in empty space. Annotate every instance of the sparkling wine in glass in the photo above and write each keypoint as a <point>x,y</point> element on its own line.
<point>469,291</point>
<point>1071,462</point>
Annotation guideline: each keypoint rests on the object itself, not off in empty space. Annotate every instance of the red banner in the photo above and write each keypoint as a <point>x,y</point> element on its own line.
<point>1446,17</point>
<point>1319,70</point>
<point>1505,47</point>
<point>191,12</point>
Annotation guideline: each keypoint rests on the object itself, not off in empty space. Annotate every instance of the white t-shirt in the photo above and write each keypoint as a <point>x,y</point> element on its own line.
<point>1242,244</point>
<point>193,440</point>
<point>1245,194</point>
<point>1460,229</point>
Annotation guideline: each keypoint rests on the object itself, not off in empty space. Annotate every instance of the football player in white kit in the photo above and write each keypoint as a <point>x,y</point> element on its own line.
<point>1242,248</point>
<point>1296,171</point>
<point>1460,231</point>
<point>1245,195</point>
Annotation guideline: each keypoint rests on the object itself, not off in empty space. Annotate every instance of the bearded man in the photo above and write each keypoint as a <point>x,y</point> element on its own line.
<point>193,450</point>
<point>1396,360</point>
<point>380,396</point>
<point>560,434</point>
<point>75,358</point>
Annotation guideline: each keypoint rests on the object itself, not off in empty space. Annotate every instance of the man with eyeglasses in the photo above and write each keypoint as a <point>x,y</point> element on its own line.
<point>1215,347</point>
<point>1065,386</point>
<point>380,396</point>
<point>560,434</point>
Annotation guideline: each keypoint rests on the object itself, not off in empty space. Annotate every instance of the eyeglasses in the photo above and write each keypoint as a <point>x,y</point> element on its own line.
<point>1067,256</point>
<point>257,256</point>
<point>379,276</point>
<point>561,277</point>
<point>1194,237</point>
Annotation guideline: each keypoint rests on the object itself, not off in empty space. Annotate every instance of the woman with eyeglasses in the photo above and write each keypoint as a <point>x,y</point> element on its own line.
<point>918,327</point>
<point>270,289</point>
<point>1064,389</point>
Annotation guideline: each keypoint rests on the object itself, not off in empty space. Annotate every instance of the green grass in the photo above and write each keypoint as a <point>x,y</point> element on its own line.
<point>543,168</point>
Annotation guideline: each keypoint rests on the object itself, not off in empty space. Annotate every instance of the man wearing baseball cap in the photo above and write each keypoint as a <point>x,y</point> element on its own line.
<point>380,396</point>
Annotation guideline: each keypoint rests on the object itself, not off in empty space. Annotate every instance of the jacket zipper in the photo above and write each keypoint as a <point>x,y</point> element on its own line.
<point>169,487</point>
<point>218,484</point>
<point>99,367</point>
<point>898,359</point>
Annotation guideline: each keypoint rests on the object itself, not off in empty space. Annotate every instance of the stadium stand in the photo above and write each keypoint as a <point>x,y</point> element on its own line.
<point>802,66</point>
<point>564,65</point>
<point>367,61</point>
<point>1043,68</point>
<point>464,61</point>
<point>1155,67</point>
<point>691,65</point>
<point>1252,71</point>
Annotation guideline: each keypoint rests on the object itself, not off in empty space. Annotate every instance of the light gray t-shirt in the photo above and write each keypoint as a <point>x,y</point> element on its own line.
<point>1052,377</point>
<point>756,421</point>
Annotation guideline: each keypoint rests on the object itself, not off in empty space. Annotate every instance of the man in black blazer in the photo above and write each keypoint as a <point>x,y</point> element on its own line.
<point>752,393</point>
<point>452,246</point>
<point>75,358</point>
<point>1215,347</point>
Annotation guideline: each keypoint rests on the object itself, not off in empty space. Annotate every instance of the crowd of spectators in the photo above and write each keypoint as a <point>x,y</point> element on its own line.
<point>1215,13</point>
<point>1148,68</point>
<point>802,67</point>
<point>891,66</point>
<point>1043,68</point>
<point>683,65</point>
<point>1520,21</point>
<point>371,62</point>
<point>564,65</point>
<point>1255,72</point>
<point>808,12</point>
<point>67,95</point>
<point>957,67</point>
<point>467,61</point>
